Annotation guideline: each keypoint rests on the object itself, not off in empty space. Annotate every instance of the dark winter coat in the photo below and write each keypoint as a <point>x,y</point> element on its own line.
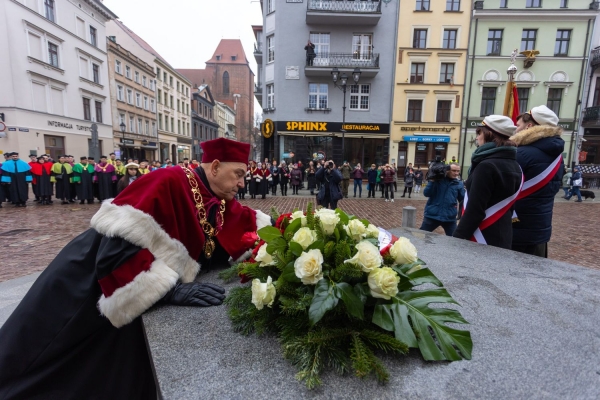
<point>296,177</point>
<point>388,175</point>
<point>357,173</point>
<point>444,196</point>
<point>418,177</point>
<point>492,179</point>
<point>409,180</point>
<point>311,178</point>
<point>372,175</point>
<point>333,177</point>
<point>538,147</point>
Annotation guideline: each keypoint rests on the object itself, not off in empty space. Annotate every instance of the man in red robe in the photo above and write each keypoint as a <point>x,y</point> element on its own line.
<point>78,332</point>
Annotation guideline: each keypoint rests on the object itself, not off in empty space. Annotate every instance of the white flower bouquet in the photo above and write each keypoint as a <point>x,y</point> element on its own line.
<point>337,291</point>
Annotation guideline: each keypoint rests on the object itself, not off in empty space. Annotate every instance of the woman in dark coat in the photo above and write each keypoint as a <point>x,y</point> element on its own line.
<point>284,177</point>
<point>330,192</point>
<point>409,181</point>
<point>132,172</point>
<point>296,178</point>
<point>495,180</point>
<point>418,179</point>
<point>311,178</point>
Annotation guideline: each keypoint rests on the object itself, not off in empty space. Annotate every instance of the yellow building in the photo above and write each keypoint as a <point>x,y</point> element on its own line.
<point>432,43</point>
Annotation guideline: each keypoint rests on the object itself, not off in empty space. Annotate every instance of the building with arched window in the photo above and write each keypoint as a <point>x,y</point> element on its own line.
<point>225,82</point>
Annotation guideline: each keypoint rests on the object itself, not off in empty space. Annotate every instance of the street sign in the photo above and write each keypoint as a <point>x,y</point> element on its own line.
<point>2,126</point>
<point>267,128</point>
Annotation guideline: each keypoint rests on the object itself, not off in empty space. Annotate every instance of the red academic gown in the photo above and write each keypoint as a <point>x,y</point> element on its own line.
<point>78,332</point>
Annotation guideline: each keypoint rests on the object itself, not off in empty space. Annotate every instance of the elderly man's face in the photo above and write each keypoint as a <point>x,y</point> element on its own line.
<point>226,178</point>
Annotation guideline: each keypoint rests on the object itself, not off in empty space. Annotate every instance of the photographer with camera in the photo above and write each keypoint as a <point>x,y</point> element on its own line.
<point>330,179</point>
<point>444,191</point>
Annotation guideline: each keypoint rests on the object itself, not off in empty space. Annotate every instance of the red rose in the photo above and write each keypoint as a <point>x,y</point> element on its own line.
<point>255,251</point>
<point>281,218</point>
<point>244,278</point>
<point>249,239</point>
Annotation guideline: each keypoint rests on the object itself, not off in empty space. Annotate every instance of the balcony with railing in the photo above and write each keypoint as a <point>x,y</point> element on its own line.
<point>343,12</point>
<point>258,91</point>
<point>591,117</point>
<point>258,53</point>
<point>322,64</point>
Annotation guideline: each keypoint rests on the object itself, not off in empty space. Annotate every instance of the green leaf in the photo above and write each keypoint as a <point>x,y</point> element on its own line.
<point>336,233</point>
<point>319,245</point>
<point>323,300</point>
<point>382,317</point>
<point>365,222</point>
<point>289,274</point>
<point>442,344</point>
<point>353,303</point>
<point>296,249</point>
<point>343,216</point>
<point>362,291</point>
<point>293,227</point>
<point>277,244</point>
<point>269,233</point>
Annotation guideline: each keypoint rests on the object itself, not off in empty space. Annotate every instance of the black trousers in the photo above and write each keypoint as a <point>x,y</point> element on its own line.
<point>372,189</point>
<point>388,189</point>
<point>540,250</point>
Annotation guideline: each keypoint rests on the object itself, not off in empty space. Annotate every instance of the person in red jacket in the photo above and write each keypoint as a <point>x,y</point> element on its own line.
<point>388,176</point>
<point>33,160</point>
<point>42,180</point>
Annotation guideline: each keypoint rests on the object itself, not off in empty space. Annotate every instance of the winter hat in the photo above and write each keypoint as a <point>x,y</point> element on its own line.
<point>499,124</point>
<point>132,165</point>
<point>542,115</point>
<point>225,150</point>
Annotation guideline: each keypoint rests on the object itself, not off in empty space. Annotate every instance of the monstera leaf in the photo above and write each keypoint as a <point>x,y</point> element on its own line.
<point>413,322</point>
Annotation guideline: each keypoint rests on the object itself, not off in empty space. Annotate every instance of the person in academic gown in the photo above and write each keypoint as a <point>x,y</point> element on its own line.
<point>16,174</point>
<point>77,334</point>
<point>42,176</point>
<point>33,160</point>
<point>263,179</point>
<point>253,183</point>
<point>2,191</point>
<point>105,177</point>
<point>83,178</point>
<point>62,172</point>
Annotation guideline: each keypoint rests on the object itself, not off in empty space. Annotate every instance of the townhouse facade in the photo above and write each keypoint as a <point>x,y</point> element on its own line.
<point>55,76</point>
<point>204,119</point>
<point>432,43</point>
<point>552,39</point>
<point>226,120</point>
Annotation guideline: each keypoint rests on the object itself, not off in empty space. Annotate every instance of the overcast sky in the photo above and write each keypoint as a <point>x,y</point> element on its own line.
<point>187,32</point>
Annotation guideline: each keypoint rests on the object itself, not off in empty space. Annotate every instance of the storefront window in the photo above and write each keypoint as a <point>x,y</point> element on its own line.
<point>427,152</point>
<point>183,152</point>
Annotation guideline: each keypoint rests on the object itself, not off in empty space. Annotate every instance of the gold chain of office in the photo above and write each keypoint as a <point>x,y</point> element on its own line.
<point>210,231</point>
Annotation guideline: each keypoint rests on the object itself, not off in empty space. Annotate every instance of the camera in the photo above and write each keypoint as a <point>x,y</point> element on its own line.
<point>330,164</point>
<point>437,170</point>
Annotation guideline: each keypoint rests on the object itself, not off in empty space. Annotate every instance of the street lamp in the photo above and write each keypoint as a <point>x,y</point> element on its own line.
<point>343,78</point>
<point>122,126</point>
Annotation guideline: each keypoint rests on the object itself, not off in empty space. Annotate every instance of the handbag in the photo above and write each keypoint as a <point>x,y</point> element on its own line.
<point>578,182</point>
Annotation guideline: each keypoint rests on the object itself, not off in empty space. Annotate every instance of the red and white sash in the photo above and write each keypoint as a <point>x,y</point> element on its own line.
<point>493,213</point>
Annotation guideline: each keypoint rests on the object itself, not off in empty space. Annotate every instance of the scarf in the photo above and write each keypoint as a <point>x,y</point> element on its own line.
<point>57,168</point>
<point>486,150</point>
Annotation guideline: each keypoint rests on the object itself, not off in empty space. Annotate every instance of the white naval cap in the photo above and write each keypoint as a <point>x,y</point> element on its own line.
<point>500,124</point>
<point>542,115</point>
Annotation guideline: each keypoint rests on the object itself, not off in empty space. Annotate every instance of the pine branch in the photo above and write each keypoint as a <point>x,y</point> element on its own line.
<point>361,357</point>
<point>310,216</point>
<point>319,228</point>
<point>274,213</point>
<point>383,341</point>
<point>229,274</point>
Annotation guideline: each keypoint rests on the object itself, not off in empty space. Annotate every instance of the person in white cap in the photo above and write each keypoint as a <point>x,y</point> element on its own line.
<point>539,154</point>
<point>493,185</point>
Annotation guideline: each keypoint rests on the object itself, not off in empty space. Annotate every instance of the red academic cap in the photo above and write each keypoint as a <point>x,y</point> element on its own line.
<point>225,150</point>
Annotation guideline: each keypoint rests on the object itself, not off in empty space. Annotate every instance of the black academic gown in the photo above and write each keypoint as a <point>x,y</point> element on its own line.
<point>105,185</point>
<point>55,345</point>
<point>63,184</point>
<point>252,184</point>
<point>44,185</point>
<point>18,190</point>
<point>85,189</point>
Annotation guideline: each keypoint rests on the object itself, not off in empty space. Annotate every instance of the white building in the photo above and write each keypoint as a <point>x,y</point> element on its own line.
<point>173,94</point>
<point>54,76</point>
<point>226,121</point>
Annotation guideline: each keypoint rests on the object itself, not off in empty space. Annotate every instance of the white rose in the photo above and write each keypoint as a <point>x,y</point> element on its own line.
<point>403,251</point>
<point>263,293</point>
<point>367,258</point>
<point>299,214</point>
<point>383,283</point>
<point>308,267</point>
<point>304,237</point>
<point>263,257</point>
<point>355,229</point>
<point>329,220</point>
<point>372,231</point>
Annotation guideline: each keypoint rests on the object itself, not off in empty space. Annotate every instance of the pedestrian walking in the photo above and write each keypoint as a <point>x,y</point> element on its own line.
<point>372,181</point>
<point>566,182</point>
<point>357,175</point>
<point>576,184</point>
<point>388,176</point>
<point>493,185</point>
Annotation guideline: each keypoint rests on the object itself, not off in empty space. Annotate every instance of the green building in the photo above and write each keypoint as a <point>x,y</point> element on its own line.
<point>556,37</point>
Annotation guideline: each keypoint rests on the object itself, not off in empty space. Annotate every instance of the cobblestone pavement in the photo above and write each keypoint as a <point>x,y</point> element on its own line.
<point>31,237</point>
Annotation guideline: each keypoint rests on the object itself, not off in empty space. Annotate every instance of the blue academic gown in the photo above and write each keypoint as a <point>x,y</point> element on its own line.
<point>17,174</point>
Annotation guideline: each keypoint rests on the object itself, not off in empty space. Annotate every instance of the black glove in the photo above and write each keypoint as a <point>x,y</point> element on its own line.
<point>195,294</point>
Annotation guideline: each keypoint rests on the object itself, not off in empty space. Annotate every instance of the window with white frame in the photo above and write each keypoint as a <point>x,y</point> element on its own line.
<point>152,105</point>
<point>322,42</point>
<point>128,71</point>
<point>121,119</point>
<point>449,41</point>
<point>98,107</point>
<point>118,67</point>
<point>145,102</point>
<point>270,6</point>
<point>138,100</point>
<point>96,73</point>
<point>53,54</point>
<point>35,45</point>
<point>136,77</point>
<point>129,96</point>
<point>270,96</point>
<point>120,92</point>
<point>317,95</point>
<point>131,124</point>
<point>271,48</point>
<point>93,36</point>
<point>139,126</point>
<point>153,128</point>
<point>87,112</point>
<point>49,9</point>
<point>144,82</point>
<point>447,73</point>
<point>362,46</point>
<point>147,132</point>
<point>359,96</point>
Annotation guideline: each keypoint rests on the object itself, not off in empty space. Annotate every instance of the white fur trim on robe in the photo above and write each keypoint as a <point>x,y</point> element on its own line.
<point>262,219</point>
<point>142,230</point>
<point>130,301</point>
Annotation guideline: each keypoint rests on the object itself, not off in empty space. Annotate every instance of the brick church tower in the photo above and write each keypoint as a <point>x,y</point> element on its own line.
<point>231,82</point>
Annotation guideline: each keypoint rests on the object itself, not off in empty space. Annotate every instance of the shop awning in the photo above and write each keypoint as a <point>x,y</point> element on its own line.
<point>427,139</point>
<point>337,134</point>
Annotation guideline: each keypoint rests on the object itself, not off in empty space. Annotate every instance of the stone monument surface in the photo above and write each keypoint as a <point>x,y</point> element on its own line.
<point>534,324</point>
